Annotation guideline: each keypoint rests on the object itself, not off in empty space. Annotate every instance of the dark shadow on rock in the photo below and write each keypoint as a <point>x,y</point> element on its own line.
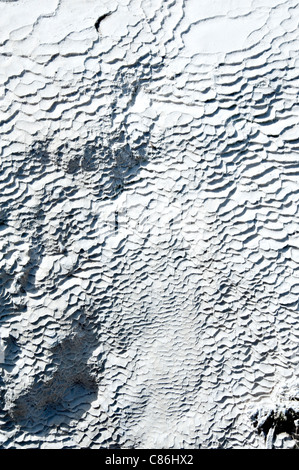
<point>100,19</point>
<point>63,392</point>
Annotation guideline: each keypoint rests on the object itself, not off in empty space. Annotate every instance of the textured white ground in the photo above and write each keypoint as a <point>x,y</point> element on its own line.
<point>149,223</point>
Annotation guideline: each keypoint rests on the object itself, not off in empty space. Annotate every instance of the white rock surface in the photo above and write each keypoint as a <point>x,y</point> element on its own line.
<point>149,223</point>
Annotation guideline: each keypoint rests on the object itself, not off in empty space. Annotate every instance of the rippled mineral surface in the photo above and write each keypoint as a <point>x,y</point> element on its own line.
<point>149,190</point>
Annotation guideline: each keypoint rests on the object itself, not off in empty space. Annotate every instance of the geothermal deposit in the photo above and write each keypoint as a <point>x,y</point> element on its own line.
<point>149,190</point>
